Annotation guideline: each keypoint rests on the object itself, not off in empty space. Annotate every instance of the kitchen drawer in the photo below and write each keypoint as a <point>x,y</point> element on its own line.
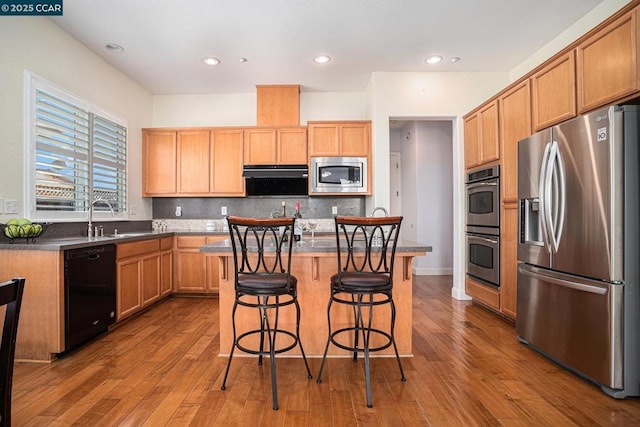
<point>183,242</point>
<point>141,247</point>
<point>166,243</point>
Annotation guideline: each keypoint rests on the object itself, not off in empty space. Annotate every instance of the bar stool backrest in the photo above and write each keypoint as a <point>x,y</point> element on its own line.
<point>261,246</point>
<point>370,244</point>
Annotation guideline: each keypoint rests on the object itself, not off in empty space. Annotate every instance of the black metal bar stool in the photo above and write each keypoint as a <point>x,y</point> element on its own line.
<point>263,280</point>
<point>11,298</point>
<point>364,280</point>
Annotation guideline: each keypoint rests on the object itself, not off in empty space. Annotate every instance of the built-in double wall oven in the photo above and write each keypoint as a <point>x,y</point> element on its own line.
<point>483,225</point>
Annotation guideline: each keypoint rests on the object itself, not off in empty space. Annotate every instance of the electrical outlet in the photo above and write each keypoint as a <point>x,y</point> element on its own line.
<point>132,209</point>
<point>1,206</point>
<point>334,210</point>
<point>10,206</point>
<point>223,210</point>
<point>178,210</point>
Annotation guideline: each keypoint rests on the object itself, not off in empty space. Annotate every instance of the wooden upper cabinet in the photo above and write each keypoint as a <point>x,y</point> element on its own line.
<point>471,138</point>
<point>324,139</point>
<point>355,139</point>
<point>489,142</point>
<point>159,172</point>
<point>481,143</point>
<point>339,138</point>
<point>554,92</point>
<point>193,161</point>
<point>292,146</point>
<point>607,63</point>
<point>515,124</point>
<point>260,147</point>
<point>286,146</point>
<point>226,162</point>
<point>278,105</point>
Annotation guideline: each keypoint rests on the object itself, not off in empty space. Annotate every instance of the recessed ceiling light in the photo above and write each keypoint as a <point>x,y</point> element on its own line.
<point>211,61</point>
<point>243,60</point>
<point>322,59</point>
<point>112,47</point>
<point>433,59</point>
<point>455,59</point>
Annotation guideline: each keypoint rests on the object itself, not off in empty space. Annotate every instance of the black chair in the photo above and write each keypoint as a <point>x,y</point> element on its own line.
<point>263,280</point>
<point>366,248</point>
<point>11,298</point>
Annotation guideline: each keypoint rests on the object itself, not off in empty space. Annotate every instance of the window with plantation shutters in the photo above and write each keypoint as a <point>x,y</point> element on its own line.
<point>77,156</point>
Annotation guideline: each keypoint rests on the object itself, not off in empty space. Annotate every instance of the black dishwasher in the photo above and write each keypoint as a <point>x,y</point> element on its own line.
<point>89,292</point>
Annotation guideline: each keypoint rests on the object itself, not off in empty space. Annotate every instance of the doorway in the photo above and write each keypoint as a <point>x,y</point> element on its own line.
<point>423,150</point>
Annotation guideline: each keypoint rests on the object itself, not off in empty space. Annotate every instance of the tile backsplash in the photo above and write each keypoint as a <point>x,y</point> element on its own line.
<point>203,208</point>
<point>324,225</point>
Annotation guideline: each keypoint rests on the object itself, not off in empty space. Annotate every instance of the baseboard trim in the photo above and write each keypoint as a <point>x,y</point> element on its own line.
<point>431,271</point>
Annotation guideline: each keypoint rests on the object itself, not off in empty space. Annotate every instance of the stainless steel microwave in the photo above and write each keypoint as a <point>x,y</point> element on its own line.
<point>338,175</point>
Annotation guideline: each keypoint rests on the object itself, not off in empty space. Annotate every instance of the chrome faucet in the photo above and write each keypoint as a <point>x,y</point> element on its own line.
<point>380,208</point>
<point>90,231</point>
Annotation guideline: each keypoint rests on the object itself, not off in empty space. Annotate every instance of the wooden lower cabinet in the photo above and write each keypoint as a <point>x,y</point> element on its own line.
<point>141,274</point>
<point>129,299</point>
<point>483,294</point>
<point>509,260</point>
<point>166,266</point>
<point>196,272</point>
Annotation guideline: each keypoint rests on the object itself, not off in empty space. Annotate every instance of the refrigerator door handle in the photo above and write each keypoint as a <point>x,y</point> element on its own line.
<point>547,195</point>
<point>541,193</point>
<point>529,271</point>
<point>562,198</point>
<point>552,192</point>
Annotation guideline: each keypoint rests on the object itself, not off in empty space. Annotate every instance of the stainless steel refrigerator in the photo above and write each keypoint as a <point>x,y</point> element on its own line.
<point>578,248</point>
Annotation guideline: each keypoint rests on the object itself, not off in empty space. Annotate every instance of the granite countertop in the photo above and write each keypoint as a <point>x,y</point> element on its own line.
<point>324,243</point>
<point>74,242</point>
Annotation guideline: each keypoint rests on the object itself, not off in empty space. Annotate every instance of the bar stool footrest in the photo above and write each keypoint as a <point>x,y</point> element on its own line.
<point>266,352</point>
<point>359,349</point>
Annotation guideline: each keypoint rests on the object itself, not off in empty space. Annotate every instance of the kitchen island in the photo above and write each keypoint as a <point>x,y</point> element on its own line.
<point>313,264</point>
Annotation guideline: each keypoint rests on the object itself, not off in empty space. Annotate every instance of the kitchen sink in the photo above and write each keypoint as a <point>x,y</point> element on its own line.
<point>123,235</point>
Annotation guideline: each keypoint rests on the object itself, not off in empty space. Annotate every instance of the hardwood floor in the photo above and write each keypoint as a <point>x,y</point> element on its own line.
<point>162,369</point>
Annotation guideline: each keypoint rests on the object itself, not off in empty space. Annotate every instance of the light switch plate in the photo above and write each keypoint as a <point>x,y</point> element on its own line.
<point>10,206</point>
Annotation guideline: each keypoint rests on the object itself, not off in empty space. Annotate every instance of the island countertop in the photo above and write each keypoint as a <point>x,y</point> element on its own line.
<point>323,244</point>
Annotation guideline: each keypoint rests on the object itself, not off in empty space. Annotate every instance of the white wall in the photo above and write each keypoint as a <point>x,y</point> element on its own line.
<point>37,44</point>
<point>434,179</point>
<point>575,31</point>
<point>410,165</point>
<point>240,109</point>
<point>427,191</point>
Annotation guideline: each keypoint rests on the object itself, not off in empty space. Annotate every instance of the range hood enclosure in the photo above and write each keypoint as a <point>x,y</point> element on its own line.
<point>278,105</point>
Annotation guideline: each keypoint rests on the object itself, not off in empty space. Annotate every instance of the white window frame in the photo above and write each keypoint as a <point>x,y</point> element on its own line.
<point>34,82</point>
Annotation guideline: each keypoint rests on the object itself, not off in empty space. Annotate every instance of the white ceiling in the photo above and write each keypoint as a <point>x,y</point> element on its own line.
<point>165,40</point>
